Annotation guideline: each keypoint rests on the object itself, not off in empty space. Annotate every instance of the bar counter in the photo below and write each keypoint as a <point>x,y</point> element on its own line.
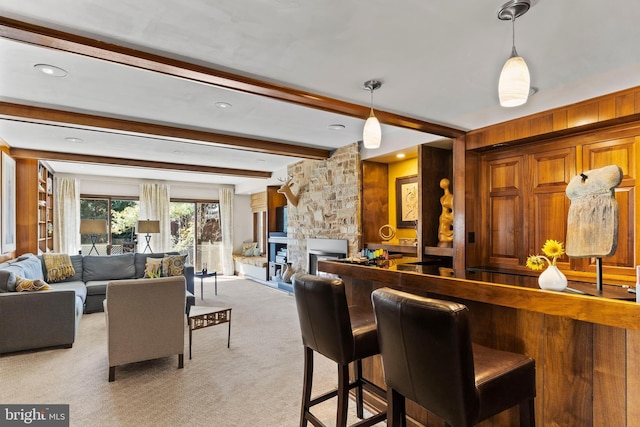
<point>587,348</point>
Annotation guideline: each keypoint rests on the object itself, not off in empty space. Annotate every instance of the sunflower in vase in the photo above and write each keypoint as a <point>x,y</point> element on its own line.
<point>551,278</point>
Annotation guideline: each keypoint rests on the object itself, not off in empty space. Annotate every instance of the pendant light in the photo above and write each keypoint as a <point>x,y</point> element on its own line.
<point>514,83</point>
<point>372,133</point>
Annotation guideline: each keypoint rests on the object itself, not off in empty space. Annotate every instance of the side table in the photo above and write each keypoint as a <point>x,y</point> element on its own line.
<point>213,274</point>
<point>203,317</point>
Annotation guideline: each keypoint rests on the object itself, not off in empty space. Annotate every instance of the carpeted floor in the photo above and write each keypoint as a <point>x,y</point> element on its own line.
<point>257,382</point>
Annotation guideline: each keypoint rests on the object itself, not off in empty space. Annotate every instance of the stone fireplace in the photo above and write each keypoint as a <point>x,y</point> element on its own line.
<point>328,207</point>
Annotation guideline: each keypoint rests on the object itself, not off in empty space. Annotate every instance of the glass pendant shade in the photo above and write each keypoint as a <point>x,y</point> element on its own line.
<point>514,83</point>
<point>372,133</point>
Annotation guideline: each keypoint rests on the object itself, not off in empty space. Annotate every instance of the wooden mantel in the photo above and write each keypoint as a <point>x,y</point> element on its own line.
<point>587,349</point>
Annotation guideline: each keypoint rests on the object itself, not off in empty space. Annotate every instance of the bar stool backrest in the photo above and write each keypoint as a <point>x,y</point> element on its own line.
<point>324,316</point>
<point>427,353</point>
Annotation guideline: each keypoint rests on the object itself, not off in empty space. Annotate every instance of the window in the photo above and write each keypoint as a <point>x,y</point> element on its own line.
<point>195,228</point>
<point>121,216</point>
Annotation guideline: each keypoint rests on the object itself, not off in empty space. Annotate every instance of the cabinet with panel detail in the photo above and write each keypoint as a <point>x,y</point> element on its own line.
<point>34,207</point>
<point>523,201</point>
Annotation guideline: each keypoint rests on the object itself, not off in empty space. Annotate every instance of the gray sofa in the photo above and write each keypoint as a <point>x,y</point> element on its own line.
<point>30,320</point>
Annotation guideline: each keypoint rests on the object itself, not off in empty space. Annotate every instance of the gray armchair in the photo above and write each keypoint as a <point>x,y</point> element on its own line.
<point>145,320</point>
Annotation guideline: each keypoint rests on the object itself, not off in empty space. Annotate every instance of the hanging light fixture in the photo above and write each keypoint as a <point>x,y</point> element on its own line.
<point>372,133</point>
<point>514,83</point>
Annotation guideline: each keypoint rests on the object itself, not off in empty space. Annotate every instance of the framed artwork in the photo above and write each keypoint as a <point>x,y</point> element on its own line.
<point>8,236</point>
<point>406,201</point>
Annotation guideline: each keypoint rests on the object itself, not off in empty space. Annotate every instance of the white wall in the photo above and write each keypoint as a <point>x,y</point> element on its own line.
<point>130,187</point>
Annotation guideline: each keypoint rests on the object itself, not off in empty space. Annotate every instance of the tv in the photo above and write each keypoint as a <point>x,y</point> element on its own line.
<point>281,219</point>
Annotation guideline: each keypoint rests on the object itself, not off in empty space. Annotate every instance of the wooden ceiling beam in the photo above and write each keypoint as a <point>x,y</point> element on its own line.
<point>23,153</point>
<point>73,43</point>
<point>51,116</point>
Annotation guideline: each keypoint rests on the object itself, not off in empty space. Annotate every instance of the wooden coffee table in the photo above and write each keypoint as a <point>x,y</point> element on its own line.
<point>203,317</point>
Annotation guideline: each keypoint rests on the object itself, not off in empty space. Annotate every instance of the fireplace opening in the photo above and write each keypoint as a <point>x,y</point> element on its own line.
<point>325,250</point>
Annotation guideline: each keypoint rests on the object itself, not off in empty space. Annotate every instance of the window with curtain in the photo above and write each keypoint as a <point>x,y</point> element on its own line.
<point>121,216</point>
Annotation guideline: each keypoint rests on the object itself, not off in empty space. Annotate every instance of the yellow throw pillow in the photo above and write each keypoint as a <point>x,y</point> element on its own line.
<point>27,285</point>
<point>153,268</point>
<point>173,265</point>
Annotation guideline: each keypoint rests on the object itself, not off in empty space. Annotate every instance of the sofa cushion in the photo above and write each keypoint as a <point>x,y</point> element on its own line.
<point>141,260</point>
<point>30,265</point>
<point>76,261</point>
<point>153,267</point>
<point>173,265</point>
<point>111,267</point>
<point>78,287</point>
<point>7,281</point>
<point>97,287</point>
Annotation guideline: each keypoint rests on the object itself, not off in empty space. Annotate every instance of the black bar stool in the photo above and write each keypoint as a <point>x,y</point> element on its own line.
<point>428,357</point>
<point>341,333</point>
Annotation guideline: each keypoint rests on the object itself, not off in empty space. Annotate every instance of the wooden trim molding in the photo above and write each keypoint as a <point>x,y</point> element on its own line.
<point>22,153</point>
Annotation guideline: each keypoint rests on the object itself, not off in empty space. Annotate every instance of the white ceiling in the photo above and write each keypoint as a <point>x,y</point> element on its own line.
<point>439,62</point>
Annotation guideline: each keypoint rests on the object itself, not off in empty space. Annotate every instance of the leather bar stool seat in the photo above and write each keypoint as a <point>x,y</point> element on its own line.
<point>341,333</point>
<point>428,357</point>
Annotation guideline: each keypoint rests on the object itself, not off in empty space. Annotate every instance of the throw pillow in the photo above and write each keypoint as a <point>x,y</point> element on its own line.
<point>29,285</point>
<point>256,251</point>
<point>173,265</point>
<point>248,245</point>
<point>248,252</point>
<point>153,268</point>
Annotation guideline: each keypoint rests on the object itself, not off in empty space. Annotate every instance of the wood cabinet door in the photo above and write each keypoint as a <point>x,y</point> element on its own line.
<point>621,152</point>
<point>502,215</point>
<point>550,172</point>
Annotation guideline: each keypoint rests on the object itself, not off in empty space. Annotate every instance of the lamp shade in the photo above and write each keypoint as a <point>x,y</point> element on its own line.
<point>514,83</point>
<point>148,226</point>
<point>372,133</point>
<point>93,226</point>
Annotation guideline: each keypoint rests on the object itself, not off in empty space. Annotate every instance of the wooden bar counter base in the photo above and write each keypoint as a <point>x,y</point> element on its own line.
<point>587,349</point>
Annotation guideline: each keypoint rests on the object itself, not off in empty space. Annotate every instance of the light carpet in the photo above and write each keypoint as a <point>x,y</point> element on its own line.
<point>257,382</point>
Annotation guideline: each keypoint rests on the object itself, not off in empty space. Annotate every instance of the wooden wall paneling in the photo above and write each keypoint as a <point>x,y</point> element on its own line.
<point>26,206</point>
<point>583,114</point>
<point>505,216</point>
<point>633,373</point>
<point>460,206</point>
<point>625,104</point>
<point>567,372</point>
<point>550,172</point>
<point>375,199</point>
<point>609,376</point>
<point>607,109</point>
<point>433,164</point>
<point>472,213</point>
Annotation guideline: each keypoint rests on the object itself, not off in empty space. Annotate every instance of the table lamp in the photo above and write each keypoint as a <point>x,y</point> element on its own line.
<point>148,226</point>
<point>93,227</point>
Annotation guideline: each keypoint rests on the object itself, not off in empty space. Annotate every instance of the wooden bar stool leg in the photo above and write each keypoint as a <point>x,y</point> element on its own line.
<point>359,404</point>
<point>396,415</point>
<point>343,395</point>
<point>306,386</point>
<point>527,413</point>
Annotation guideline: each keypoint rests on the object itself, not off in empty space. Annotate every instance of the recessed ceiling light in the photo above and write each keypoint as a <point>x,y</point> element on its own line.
<point>178,152</point>
<point>223,105</point>
<point>73,139</point>
<point>50,70</point>
<point>337,126</point>
<point>400,155</point>
<point>261,160</point>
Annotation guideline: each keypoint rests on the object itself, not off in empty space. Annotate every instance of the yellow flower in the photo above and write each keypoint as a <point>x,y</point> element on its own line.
<point>535,262</point>
<point>552,249</point>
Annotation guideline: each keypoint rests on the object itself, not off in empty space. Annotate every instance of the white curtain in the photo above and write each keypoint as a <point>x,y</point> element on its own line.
<point>154,205</point>
<point>226,220</point>
<point>66,216</point>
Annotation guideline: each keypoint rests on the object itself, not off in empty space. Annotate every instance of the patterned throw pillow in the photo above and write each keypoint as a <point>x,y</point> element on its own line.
<point>27,285</point>
<point>173,265</point>
<point>153,268</point>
